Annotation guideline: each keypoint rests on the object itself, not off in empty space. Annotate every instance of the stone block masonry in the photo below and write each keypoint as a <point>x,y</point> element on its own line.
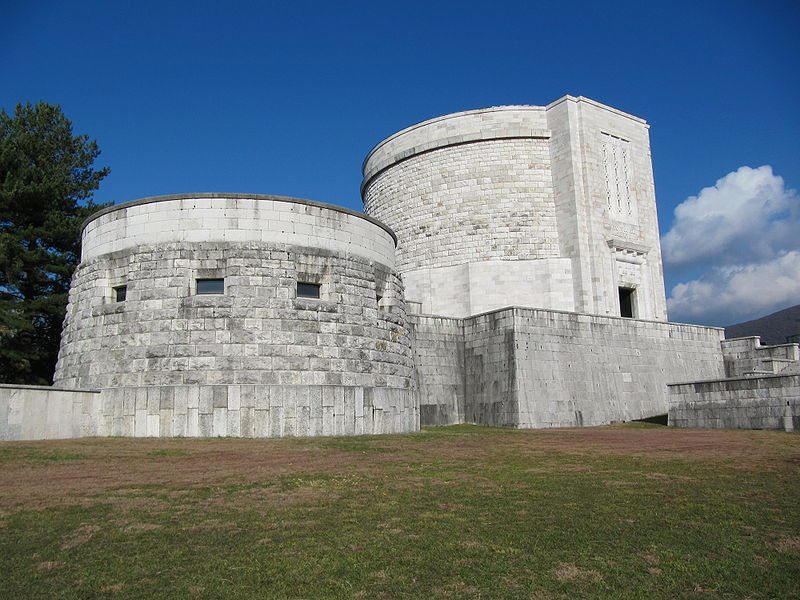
<point>168,344</point>
<point>524,235</point>
<point>576,370</point>
<point>533,368</point>
<point>761,402</point>
<point>255,411</point>
<point>438,344</point>
<point>257,331</point>
<point>542,206</point>
<point>746,356</point>
<point>34,413</point>
<point>30,412</point>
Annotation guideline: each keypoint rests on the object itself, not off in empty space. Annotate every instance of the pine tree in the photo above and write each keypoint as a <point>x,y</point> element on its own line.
<point>46,183</point>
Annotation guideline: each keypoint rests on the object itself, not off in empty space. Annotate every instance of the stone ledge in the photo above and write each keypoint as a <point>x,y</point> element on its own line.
<point>388,162</point>
<point>47,388</point>
<point>730,380</point>
<point>238,196</point>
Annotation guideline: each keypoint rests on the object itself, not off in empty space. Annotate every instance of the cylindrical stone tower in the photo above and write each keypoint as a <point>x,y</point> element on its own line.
<point>470,197</point>
<point>251,315</point>
<point>537,206</point>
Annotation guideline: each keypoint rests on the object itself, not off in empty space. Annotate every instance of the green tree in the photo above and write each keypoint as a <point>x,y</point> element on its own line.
<point>46,183</point>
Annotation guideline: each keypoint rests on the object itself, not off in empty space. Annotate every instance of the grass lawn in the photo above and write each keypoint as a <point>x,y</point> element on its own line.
<point>457,512</point>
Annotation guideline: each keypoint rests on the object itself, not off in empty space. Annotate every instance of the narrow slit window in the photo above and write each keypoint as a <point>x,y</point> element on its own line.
<point>210,286</point>
<point>626,302</point>
<point>308,290</point>
<point>120,293</point>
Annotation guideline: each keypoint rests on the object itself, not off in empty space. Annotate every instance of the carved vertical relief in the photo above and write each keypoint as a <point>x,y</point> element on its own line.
<point>618,176</point>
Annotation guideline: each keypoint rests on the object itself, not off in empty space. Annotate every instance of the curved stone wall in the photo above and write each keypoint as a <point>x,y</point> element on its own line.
<point>539,206</point>
<point>298,359</point>
<point>471,198</point>
<point>467,187</point>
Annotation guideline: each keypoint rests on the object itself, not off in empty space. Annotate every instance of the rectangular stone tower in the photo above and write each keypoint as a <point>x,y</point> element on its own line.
<point>606,208</point>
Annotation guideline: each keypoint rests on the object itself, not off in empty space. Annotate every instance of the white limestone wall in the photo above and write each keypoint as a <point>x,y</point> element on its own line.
<point>499,122</point>
<point>477,287</point>
<point>490,371</point>
<point>478,201</point>
<point>570,181</point>
<point>746,355</point>
<point>46,413</point>
<point>577,369</point>
<point>236,218</point>
<point>609,247</point>
<point>438,344</point>
<point>468,189</point>
<point>532,368</point>
<point>258,332</point>
<point>762,402</point>
<point>254,411</point>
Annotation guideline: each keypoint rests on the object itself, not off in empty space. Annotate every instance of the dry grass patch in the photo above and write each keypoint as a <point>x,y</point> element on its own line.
<point>571,572</point>
<point>80,536</point>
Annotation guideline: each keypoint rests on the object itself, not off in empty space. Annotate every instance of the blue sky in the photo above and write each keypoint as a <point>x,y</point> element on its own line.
<point>287,98</point>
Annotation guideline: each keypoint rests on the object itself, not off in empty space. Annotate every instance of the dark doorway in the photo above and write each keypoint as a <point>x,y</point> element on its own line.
<point>626,302</point>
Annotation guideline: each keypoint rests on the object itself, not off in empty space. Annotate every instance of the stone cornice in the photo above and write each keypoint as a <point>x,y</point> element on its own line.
<point>238,196</point>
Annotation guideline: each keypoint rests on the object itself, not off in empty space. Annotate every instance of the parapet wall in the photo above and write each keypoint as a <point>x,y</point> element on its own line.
<point>746,355</point>
<point>174,361</point>
<point>30,412</point>
<point>236,218</point>
<point>533,368</point>
<point>438,344</point>
<point>763,402</point>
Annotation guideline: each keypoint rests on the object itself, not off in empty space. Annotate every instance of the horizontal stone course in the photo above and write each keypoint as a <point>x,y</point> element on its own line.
<point>454,205</point>
<point>258,219</point>
<point>206,411</point>
<point>257,332</point>
<point>526,203</point>
<point>533,368</point>
<point>759,402</point>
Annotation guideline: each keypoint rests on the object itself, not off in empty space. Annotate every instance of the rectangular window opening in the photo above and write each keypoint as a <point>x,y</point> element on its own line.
<point>120,293</point>
<point>210,286</point>
<point>308,290</point>
<point>626,302</point>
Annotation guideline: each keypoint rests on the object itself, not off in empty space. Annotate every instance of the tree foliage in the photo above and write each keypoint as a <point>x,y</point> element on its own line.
<point>46,182</point>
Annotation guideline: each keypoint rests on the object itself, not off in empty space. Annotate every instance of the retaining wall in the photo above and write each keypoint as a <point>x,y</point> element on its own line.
<point>534,368</point>
<point>747,355</point>
<point>438,345</point>
<point>576,369</point>
<point>44,413</point>
<point>741,403</point>
<point>254,411</point>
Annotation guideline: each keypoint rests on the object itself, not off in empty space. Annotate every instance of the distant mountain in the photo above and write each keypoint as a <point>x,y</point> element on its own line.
<point>773,328</point>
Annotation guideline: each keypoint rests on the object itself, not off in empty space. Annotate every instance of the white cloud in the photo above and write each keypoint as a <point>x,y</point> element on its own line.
<point>743,234</point>
<point>746,215</point>
<point>734,293</point>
